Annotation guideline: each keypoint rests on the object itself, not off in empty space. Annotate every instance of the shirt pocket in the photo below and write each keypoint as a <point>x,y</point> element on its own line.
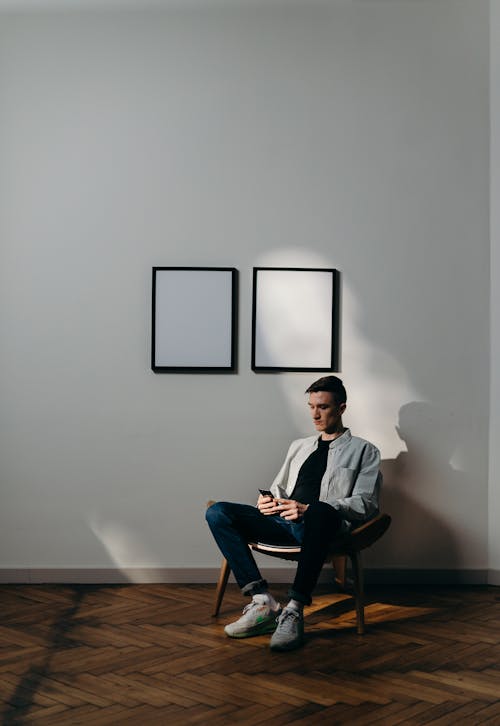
<point>343,482</point>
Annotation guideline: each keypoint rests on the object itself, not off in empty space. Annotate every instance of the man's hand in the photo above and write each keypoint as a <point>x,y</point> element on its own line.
<point>289,509</point>
<point>267,505</point>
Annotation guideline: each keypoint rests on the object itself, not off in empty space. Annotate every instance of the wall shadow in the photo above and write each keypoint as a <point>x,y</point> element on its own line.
<point>425,495</point>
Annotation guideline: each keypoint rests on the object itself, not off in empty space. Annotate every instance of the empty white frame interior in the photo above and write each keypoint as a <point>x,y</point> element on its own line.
<point>293,318</point>
<point>193,318</point>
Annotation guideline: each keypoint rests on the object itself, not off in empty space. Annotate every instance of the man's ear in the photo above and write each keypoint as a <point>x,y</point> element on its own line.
<point>342,408</point>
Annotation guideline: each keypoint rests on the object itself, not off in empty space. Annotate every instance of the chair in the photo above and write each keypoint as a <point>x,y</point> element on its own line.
<point>347,545</point>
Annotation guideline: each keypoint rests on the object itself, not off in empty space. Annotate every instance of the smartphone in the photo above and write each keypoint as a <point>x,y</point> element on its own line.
<point>266,493</point>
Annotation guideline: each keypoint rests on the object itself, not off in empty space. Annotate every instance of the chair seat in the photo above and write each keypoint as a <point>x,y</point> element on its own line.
<point>285,552</point>
<point>354,541</point>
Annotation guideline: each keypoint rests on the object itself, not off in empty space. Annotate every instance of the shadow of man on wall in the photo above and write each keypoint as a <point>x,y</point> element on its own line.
<point>431,502</point>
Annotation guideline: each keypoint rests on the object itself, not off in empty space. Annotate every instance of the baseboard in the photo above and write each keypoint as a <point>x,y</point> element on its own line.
<point>399,576</point>
<point>493,577</point>
<point>111,576</point>
<point>187,575</point>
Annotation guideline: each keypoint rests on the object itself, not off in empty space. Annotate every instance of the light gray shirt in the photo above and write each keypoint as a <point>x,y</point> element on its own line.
<point>351,482</point>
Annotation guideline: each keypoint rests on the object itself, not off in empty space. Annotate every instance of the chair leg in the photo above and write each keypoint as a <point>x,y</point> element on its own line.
<point>339,565</point>
<point>359,596</point>
<point>221,585</point>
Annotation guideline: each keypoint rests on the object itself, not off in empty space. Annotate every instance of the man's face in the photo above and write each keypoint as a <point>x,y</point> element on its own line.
<point>326,413</point>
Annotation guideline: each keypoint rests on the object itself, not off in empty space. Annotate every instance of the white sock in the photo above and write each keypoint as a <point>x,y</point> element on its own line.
<point>296,605</point>
<point>267,599</point>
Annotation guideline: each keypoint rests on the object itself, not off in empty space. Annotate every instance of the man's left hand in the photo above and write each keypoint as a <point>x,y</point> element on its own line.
<point>290,509</point>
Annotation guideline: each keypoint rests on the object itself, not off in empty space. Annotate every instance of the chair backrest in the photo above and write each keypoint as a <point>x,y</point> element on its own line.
<point>368,533</point>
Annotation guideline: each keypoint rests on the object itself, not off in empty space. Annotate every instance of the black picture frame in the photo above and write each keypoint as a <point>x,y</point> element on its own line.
<point>194,319</point>
<point>295,319</point>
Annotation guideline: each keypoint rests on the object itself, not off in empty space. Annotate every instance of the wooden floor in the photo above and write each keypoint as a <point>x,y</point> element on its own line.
<point>151,654</point>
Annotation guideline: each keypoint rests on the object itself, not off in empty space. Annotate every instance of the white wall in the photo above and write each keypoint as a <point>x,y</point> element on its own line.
<point>345,134</point>
<point>494,475</point>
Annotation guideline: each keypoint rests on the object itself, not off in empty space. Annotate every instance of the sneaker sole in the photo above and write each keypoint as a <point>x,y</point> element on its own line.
<point>263,629</point>
<point>290,646</point>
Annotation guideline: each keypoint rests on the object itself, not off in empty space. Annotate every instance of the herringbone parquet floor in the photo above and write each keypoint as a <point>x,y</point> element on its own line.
<point>151,654</point>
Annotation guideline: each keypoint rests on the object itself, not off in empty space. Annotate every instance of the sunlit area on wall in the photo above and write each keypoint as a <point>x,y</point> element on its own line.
<point>377,385</point>
<point>122,545</point>
<point>293,318</point>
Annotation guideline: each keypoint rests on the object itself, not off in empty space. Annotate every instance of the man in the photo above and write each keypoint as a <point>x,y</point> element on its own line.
<point>326,484</point>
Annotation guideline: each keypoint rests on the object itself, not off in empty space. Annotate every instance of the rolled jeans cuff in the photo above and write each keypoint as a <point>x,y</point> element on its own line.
<point>299,597</point>
<point>254,588</point>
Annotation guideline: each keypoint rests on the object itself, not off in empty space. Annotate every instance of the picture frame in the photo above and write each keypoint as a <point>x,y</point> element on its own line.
<point>295,319</point>
<point>194,319</point>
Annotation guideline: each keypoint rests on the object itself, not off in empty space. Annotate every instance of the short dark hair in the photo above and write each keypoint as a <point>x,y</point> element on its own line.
<point>331,384</point>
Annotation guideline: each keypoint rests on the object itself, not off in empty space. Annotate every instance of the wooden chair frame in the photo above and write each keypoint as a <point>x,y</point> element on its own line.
<point>346,546</point>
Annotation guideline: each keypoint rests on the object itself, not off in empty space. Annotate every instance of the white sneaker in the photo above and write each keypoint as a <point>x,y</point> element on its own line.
<point>258,618</point>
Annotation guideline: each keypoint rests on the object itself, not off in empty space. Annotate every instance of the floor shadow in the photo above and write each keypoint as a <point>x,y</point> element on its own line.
<point>58,639</point>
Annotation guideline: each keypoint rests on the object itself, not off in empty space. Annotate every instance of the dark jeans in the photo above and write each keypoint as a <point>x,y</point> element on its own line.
<point>234,525</point>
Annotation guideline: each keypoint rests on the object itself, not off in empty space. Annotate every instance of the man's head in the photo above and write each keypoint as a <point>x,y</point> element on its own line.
<point>327,403</point>
<point>330,384</point>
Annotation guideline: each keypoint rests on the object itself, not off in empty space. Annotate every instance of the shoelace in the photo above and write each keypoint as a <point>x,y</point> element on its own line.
<point>285,620</point>
<point>250,606</point>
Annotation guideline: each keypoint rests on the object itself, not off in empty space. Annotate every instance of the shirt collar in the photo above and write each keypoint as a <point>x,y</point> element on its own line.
<point>340,440</point>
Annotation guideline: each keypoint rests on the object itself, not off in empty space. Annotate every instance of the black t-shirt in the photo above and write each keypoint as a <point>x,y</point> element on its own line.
<point>308,484</point>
